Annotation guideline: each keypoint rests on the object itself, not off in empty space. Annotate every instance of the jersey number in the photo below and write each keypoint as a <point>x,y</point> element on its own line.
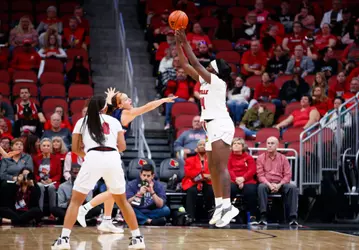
<point>202,103</point>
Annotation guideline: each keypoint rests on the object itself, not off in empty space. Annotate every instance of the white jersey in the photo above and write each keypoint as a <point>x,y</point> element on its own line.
<point>111,127</point>
<point>213,98</point>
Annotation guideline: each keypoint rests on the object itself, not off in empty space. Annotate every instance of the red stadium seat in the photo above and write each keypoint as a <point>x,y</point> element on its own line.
<point>332,80</point>
<point>4,6</point>
<point>158,6</point>
<point>183,121</point>
<point>32,99</point>
<point>226,2</point>
<point>208,11</point>
<point>4,17</point>
<point>309,79</point>
<point>53,90</point>
<point>222,45</point>
<point>75,118</point>
<point>54,65</point>
<point>208,22</point>
<point>76,106</point>
<point>281,118</point>
<point>270,106</point>
<point>69,65</point>
<point>233,67</point>
<point>67,7</point>
<point>264,133</point>
<point>238,11</point>
<point>6,100</point>
<point>229,56</point>
<point>39,17</point>
<point>72,53</point>
<point>252,81</point>
<point>4,76</point>
<point>21,5</point>
<point>80,91</point>
<point>24,76</point>
<point>337,54</point>
<point>292,135</point>
<point>237,23</point>
<point>42,6</point>
<point>52,78</point>
<point>50,104</point>
<point>238,132</point>
<point>15,17</point>
<point>4,89</point>
<point>282,79</point>
<point>184,108</point>
<point>32,87</point>
<point>291,107</point>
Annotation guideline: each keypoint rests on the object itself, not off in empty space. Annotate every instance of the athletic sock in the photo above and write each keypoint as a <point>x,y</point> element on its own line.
<point>107,219</point>
<point>65,232</point>
<point>226,203</point>
<point>218,201</point>
<point>88,206</point>
<point>136,232</point>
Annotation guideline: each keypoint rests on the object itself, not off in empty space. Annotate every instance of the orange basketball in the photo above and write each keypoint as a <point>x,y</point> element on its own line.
<point>178,20</point>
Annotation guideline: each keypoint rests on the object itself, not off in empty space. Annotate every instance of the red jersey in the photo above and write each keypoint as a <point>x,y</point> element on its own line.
<point>26,61</point>
<point>294,40</point>
<point>323,41</point>
<point>78,35</point>
<point>301,117</point>
<point>255,62</point>
<point>20,111</point>
<point>270,90</point>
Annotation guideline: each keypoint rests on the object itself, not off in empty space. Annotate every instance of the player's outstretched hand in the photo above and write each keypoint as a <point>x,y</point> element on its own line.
<point>169,99</point>
<point>180,36</point>
<point>111,92</point>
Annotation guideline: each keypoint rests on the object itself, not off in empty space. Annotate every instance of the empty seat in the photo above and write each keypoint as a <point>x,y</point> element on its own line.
<point>292,135</point>
<point>4,76</point>
<point>238,11</point>
<point>72,53</point>
<point>50,104</point>
<point>54,65</point>
<point>53,90</point>
<point>76,106</point>
<point>291,107</point>
<point>184,108</point>
<point>270,106</point>
<point>222,45</point>
<point>208,22</point>
<point>42,6</point>
<point>207,11</point>
<point>237,23</point>
<point>238,132</point>
<point>282,79</point>
<point>4,89</point>
<point>229,56</point>
<point>31,86</point>
<point>67,7</point>
<point>264,133</point>
<point>52,78</point>
<point>253,81</point>
<point>25,76</point>
<point>21,5</point>
<point>75,117</point>
<point>158,6</point>
<point>170,167</point>
<point>226,3</point>
<point>183,121</point>
<point>309,79</point>
<point>135,166</point>
<point>80,91</point>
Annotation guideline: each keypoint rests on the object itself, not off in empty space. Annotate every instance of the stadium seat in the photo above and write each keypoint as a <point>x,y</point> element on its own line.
<point>50,104</point>
<point>4,89</point>
<point>32,99</point>
<point>76,106</point>
<point>238,11</point>
<point>158,6</point>
<point>291,107</point>
<point>72,53</point>
<point>282,79</point>
<point>264,133</point>
<point>21,5</point>
<point>222,45</point>
<point>80,91</point>
<point>233,67</point>
<point>25,76</point>
<point>6,100</point>
<point>208,22</point>
<point>32,87</point>
<point>15,16</point>
<point>135,165</point>
<point>180,131</point>
<point>226,3</point>
<point>237,23</point>
<point>52,78</point>
<point>253,81</point>
<point>238,132</point>
<point>281,118</point>
<point>67,7</point>
<point>183,121</point>
<point>4,77</point>
<point>4,6</point>
<point>270,106</point>
<point>170,167</point>
<point>229,56</point>
<point>332,80</point>
<point>42,6</point>
<point>75,117</point>
<point>292,135</point>
<point>4,17</point>
<point>184,108</point>
<point>54,65</point>
<point>309,79</point>
<point>69,65</point>
<point>53,90</point>
<point>208,11</point>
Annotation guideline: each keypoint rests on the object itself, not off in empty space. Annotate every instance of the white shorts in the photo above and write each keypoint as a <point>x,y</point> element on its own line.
<point>219,129</point>
<point>99,164</point>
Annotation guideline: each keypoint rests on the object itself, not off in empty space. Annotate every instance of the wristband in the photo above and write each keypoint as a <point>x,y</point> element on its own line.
<point>153,194</point>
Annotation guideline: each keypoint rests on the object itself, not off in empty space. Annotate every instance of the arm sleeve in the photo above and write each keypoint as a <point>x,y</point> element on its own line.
<point>61,198</point>
<point>131,189</point>
<point>251,171</point>
<point>260,170</point>
<point>67,166</point>
<point>179,143</point>
<point>40,27</point>
<point>3,171</point>
<point>266,118</point>
<point>29,162</point>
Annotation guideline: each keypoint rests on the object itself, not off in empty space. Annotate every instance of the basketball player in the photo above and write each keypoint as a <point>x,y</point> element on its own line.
<point>217,123</point>
<point>125,113</point>
<point>103,139</point>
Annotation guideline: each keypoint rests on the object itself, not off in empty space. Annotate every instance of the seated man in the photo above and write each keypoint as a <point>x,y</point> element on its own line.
<point>71,161</point>
<point>56,130</point>
<point>274,175</point>
<point>64,196</point>
<point>197,179</point>
<point>187,141</point>
<point>74,36</point>
<point>27,59</point>
<point>148,198</point>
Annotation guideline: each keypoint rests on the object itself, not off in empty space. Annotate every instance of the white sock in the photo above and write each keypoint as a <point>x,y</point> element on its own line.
<point>226,203</point>
<point>136,232</point>
<point>107,219</point>
<point>88,206</point>
<point>65,232</point>
<point>218,201</point>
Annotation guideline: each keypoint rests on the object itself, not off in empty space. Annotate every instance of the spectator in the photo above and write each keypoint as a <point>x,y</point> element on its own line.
<point>188,140</point>
<point>327,64</point>
<point>238,100</point>
<point>5,143</point>
<point>47,170</point>
<point>254,61</point>
<point>256,117</point>
<point>266,91</point>
<point>285,17</point>
<point>10,167</point>
<point>74,36</point>
<point>274,175</point>
<point>188,7</point>
<point>304,117</point>
<point>44,37</point>
<point>250,30</point>
<point>28,115</point>
<point>297,38</point>
<point>182,88</point>
<point>338,88</point>
<point>196,36</point>
<point>330,119</point>
<point>4,128</point>
<point>325,39</point>
<point>27,58</point>
<point>351,51</point>
<point>320,81</point>
<point>333,16</point>
<point>20,200</point>
<point>170,73</point>
<point>59,148</point>
<point>307,20</point>
<point>345,26</point>
<point>270,39</point>
<point>352,34</point>
<point>293,90</point>
<point>160,26</point>
<point>50,20</point>
<point>64,194</point>
<point>56,130</point>
<point>320,101</point>
<point>82,22</point>
<point>242,168</point>
<point>277,65</point>
<point>224,30</point>
<point>78,73</point>
<point>310,49</point>
<point>71,161</point>
<point>354,89</point>
<point>6,111</point>
<point>197,179</point>
<point>148,197</point>
<point>305,63</point>
<point>167,61</point>
<point>161,50</point>
<point>23,31</point>
<point>64,123</point>
<point>32,145</point>
<point>262,14</point>
<point>203,55</point>
<point>52,49</point>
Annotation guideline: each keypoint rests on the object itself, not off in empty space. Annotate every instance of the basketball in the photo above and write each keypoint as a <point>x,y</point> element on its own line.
<point>178,20</point>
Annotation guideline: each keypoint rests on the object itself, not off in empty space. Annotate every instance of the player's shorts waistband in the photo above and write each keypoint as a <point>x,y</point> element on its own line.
<point>102,149</point>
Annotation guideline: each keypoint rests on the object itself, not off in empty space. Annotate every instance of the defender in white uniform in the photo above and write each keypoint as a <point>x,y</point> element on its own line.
<point>217,123</point>
<point>103,138</point>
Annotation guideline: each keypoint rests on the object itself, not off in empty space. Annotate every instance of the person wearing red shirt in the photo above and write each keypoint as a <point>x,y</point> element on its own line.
<point>197,179</point>
<point>64,123</point>
<point>74,36</point>
<point>59,148</point>
<point>294,39</point>
<point>47,171</point>
<point>27,59</point>
<point>267,91</point>
<point>262,14</point>
<point>82,22</point>
<point>254,61</point>
<point>182,88</point>
<point>242,168</point>
<point>338,88</point>
<point>161,51</point>
<point>51,19</point>
<point>196,36</point>
<point>325,39</point>
<point>351,52</point>
<point>320,101</point>
<point>188,7</point>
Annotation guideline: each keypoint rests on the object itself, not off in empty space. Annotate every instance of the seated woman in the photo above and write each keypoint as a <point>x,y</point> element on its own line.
<point>196,36</point>
<point>47,170</point>
<point>44,37</point>
<point>51,19</point>
<point>64,120</point>
<point>238,100</point>
<point>320,81</point>
<point>320,101</point>
<point>325,39</point>
<point>32,145</point>
<point>197,178</point>
<point>330,118</point>
<point>59,148</point>
<point>20,200</point>
<point>52,48</point>
<point>267,91</point>
<point>10,167</point>
<point>304,117</point>
<point>242,168</point>
<point>24,30</point>
<point>307,20</point>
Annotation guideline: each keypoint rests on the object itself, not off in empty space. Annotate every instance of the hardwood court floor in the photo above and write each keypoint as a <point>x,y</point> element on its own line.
<point>171,238</point>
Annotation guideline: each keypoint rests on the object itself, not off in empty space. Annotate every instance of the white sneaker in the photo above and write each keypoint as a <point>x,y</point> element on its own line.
<point>108,227</point>
<point>81,216</point>
<point>61,244</point>
<point>228,215</point>
<point>137,243</point>
<point>216,215</point>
